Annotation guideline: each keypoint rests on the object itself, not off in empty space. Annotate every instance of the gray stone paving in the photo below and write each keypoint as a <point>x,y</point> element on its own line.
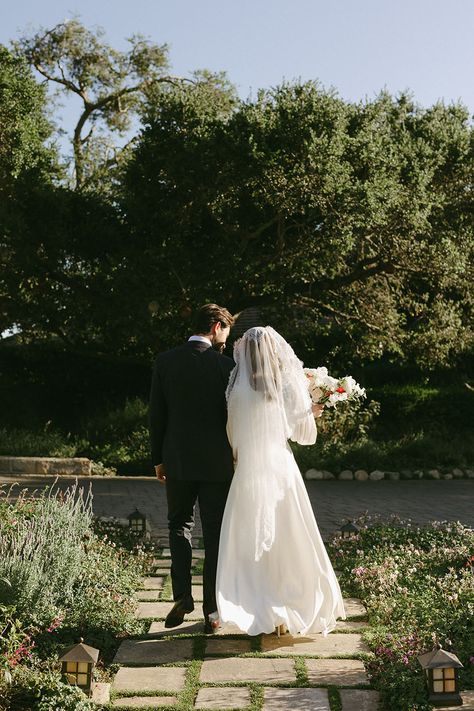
<point>337,672</point>
<point>198,553</point>
<point>159,610</point>
<point>158,628</point>
<point>343,625</point>
<point>296,700</point>
<point>147,595</point>
<point>152,679</point>
<point>354,607</point>
<point>333,501</point>
<point>258,670</point>
<point>227,646</point>
<point>196,591</point>
<point>163,564</point>
<point>228,697</point>
<point>142,702</point>
<point>153,583</point>
<point>359,700</point>
<point>314,645</point>
<point>154,651</point>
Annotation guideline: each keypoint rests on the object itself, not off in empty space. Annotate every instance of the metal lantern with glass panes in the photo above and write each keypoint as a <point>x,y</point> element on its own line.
<point>441,669</point>
<point>349,530</point>
<point>77,664</point>
<point>137,522</point>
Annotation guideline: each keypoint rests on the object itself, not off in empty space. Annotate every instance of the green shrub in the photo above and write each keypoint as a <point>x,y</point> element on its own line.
<point>16,642</point>
<point>35,690</point>
<point>40,443</point>
<point>63,576</point>
<point>119,438</point>
<point>42,552</point>
<point>418,586</point>
<point>340,430</point>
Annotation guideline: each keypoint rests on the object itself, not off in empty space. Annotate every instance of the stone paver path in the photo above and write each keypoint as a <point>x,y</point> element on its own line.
<point>289,699</point>
<point>289,673</point>
<point>314,645</point>
<point>152,679</point>
<point>261,671</point>
<point>336,672</point>
<point>154,651</point>
<point>232,697</point>
<point>141,702</point>
<point>356,700</point>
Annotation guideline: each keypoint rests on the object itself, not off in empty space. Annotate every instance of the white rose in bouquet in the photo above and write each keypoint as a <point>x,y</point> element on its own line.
<point>329,391</point>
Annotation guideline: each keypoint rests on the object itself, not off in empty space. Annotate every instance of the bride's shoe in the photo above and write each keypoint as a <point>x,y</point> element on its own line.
<point>281,629</point>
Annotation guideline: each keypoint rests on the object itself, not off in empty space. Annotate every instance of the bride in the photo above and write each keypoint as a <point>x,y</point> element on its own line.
<point>273,570</point>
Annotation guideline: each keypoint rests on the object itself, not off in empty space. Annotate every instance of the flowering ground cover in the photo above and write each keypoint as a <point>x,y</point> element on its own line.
<point>63,576</point>
<point>418,586</point>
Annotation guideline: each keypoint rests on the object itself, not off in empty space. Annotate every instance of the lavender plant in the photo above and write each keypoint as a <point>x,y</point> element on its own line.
<point>42,551</point>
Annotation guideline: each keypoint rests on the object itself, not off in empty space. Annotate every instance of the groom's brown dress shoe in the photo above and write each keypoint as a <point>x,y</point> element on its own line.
<point>176,615</point>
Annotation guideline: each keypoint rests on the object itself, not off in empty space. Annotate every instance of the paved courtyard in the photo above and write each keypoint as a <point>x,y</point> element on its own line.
<point>332,501</point>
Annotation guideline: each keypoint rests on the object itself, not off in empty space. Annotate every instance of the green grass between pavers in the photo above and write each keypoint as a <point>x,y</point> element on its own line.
<point>166,590</point>
<point>335,699</point>
<point>301,672</point>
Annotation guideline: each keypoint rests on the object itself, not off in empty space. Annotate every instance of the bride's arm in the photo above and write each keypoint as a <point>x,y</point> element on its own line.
<point>300,413</point>
<point>305,431</point>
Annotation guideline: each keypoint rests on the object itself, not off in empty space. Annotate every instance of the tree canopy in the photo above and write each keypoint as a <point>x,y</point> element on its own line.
<point>352,221</point>
<point>111,86</point>
<point>348,224</point>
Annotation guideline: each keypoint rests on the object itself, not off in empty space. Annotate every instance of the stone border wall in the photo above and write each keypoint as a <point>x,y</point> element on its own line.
<point>80,466</point>
<point>378,475</point>
<point>45,466</point>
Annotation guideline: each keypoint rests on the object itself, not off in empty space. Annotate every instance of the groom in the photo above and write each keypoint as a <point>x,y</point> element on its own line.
<point>191,452</point>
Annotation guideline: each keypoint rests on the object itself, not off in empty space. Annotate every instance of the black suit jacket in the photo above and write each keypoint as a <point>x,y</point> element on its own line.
<point>188,413</point>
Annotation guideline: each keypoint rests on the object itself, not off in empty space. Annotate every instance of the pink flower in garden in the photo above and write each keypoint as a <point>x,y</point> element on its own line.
<point>55,624</point>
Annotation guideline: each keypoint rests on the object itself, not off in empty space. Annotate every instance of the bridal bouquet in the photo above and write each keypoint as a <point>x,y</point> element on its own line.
<point>329,391</point>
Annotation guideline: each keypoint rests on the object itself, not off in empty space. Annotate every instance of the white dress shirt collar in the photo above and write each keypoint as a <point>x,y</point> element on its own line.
<point>201,339</point>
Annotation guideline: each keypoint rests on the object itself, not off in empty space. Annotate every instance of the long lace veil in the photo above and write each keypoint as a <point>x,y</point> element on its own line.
<point>268,403</point>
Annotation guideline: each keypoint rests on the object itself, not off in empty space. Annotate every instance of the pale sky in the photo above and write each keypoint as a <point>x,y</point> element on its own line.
<point>356,46</point>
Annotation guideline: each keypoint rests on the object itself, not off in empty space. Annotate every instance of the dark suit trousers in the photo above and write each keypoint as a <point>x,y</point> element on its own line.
<point>182,497</point>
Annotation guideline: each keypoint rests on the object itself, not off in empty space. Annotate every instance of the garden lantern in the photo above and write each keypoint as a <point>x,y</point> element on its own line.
<point>349,530</point>
<point>441,669</point>
<point>137,522</point>
<point>77,663</point>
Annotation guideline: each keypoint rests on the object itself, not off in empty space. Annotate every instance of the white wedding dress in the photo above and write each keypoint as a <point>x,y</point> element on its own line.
<point>273,567</point>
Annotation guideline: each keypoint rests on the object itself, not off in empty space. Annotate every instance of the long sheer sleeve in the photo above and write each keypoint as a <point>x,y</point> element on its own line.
<point>299,415</point>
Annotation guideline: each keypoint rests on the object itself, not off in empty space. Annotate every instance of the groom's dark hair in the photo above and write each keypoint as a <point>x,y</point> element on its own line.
<point>209,314</point>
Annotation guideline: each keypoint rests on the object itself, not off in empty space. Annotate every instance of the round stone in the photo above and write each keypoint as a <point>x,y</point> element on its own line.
<point>314,474</point>
<point>346,475</point>
<point>376,475</point>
